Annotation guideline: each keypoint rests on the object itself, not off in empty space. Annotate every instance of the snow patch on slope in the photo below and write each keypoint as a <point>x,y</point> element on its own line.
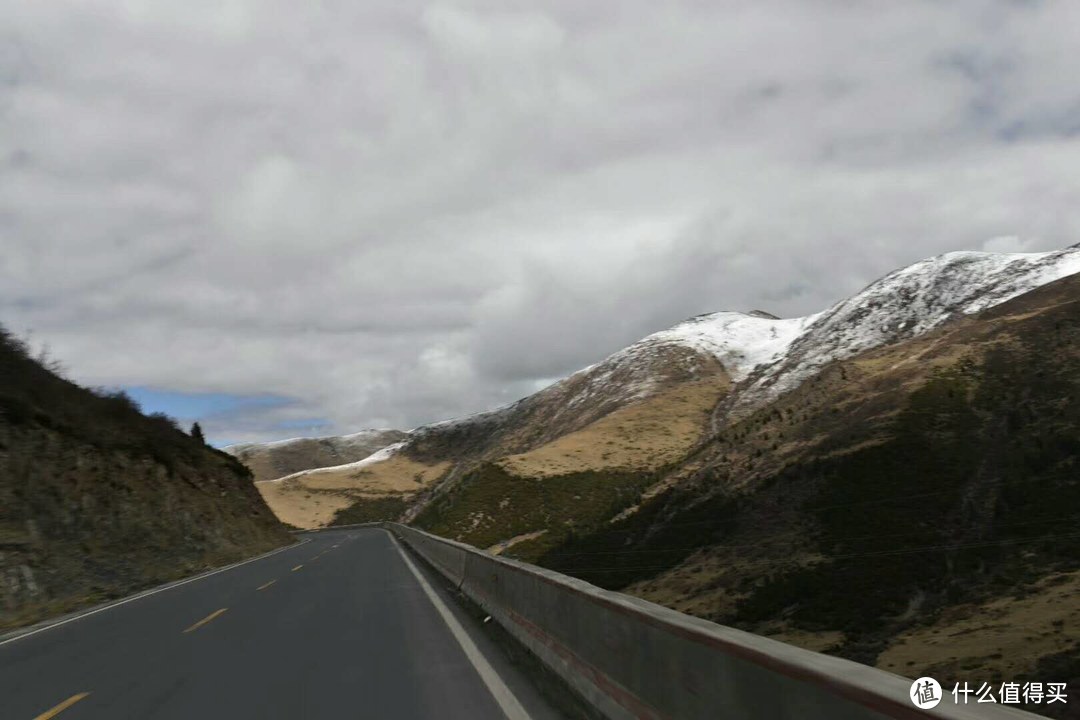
<point>378,456</point>
<point>338,440</point>
<point>740,342</point>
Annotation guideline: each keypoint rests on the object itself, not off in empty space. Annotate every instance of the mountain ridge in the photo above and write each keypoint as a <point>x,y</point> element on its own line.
<point>904,303</point>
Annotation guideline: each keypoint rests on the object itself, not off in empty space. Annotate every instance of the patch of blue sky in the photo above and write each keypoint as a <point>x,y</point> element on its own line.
<point>221,414</point>
<point>194,406</point>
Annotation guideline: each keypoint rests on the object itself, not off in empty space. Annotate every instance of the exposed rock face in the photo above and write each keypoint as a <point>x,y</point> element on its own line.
<point>97,500</point>
<point>273,460</point>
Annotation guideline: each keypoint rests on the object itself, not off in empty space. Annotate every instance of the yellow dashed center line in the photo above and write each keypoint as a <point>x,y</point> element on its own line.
<point>61,707</point>
<point>263,587</point>
<point>297,568</point>
<point>206,619</point>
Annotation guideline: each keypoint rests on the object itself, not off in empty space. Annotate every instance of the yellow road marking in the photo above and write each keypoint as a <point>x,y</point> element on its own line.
<point>61,707</point>
<point>263,587</point>
<point>206,619</point>
<point>297,568</point>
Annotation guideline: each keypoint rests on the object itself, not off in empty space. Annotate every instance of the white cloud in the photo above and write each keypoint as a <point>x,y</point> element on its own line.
<point>396,212</point>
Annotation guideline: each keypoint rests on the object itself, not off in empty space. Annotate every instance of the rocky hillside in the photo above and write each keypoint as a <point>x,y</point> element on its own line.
<point>98,500</point>
<point>273,460</point>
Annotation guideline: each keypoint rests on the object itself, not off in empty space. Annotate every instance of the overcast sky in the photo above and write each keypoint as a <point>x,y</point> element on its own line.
<point>313,217</point>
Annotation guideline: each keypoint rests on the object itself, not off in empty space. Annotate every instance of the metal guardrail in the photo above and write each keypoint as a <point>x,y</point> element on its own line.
<point>633,659</point>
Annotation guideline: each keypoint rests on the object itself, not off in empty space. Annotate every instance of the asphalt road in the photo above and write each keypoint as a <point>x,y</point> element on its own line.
<point>337,627</point>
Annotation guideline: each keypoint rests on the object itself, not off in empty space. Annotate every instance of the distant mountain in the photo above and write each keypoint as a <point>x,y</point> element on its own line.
<point>272,460</point>
<point>98,500</point>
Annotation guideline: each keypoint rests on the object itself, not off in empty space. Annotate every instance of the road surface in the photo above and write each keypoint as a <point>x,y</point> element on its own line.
<point>340,626</point>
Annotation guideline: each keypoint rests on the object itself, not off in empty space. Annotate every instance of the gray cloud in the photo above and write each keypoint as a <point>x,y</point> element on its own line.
<point>398,212</point>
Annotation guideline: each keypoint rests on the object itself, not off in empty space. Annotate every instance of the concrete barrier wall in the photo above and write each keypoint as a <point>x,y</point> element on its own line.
<point>447,556</point>
<point>633,659</point>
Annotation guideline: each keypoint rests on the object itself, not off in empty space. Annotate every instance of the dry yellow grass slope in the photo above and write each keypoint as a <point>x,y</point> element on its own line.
<point>311,499</point>
<point>645,435</point>
<point>1005,636</point>
<point>396,474</point>
<point>296,505</point>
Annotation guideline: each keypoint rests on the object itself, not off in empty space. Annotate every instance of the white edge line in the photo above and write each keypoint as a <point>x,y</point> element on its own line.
<point>153,591</point>
<point>508,703</point>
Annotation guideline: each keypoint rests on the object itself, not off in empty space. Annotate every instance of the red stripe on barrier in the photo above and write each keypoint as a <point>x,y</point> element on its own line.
<point>635,705</point>
<point>640,708</point>
<point>859,695</point>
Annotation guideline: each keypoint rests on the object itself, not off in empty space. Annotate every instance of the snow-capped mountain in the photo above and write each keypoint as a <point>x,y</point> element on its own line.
<point>731,362</point>
<point>905,303</point>
<point>767,356</point>
<point>741,342</point>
